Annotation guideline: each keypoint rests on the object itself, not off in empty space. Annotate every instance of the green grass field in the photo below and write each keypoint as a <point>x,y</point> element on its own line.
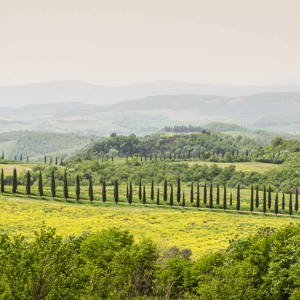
<point>200,230</point>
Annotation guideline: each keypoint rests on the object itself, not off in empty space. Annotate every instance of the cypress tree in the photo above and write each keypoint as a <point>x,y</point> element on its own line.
<point>276,204</point>
<point>171,195</point>
<point>252,199</point>
<point>56,161</point>
<point>2,181</point>
<point>198,195</point>
<point>211,199</point>
<point>91,190</point>
<point>224,198</point>
<point>28,183</point>
<point>66,190</point>
<point>40,185</point>
<point>257,197</point>
<point>291,204</point>
<point>127,191</point>
<point>296,200</point>
<point>183,199</point>
<point>269,198</point>
<point>218,195</point>
<point>140,190</point>
<point>53,185</point>
<point>264,201</point>
<point>230,199</point>
<point>116,191</point>
<point>144,194</point>
<point>45,159</point>
<point>152,190</point>
<point>77,187</point>
<point>130,193</point>
<point>192,193</point>
<point>283,201</point>
<point>15,181</point>
<point>205,194</point>
<point>238,197</point>
<point>165,190</point>
<point>104,191</point>
<point>178,190</point>
<point>157,197</point>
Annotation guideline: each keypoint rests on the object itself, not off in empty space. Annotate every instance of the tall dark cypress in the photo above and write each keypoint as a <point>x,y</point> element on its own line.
<point>269,197</point>
<point>66,189</point>
<point>230,199</point>
<point>257,197</point>
<point>198,195</point>
<point>40,185</point>
<point>15,181</point>
<point>2,189</point>
<point>28,183</point>
<point>127,191</point>
<point>130,193</point>
<point>183,199</point>
<point>218,195</point>
<point>291,204</point>
<point>104,191</point>
<point>140,190</point>
<point>116,191</point>
<point>178,194</point>
<point>171,195</point>
<point>157,197</point>
<point>152,190</point>
<point>211,196</point>
<point>283,201</point>
<point>252,198</point>
<point>296,200</point>
<point>238,197</point>
<point>91,190</point>
<point>205,194</point>
<point>264,201</point>
<point>276,204</point>
<point>45,159</point>
<point>144,194</point>
<point>225,197</point>
<point>192,193</point>
<point>77,187</point>
<point>53,185</point>
<point>165,190</point>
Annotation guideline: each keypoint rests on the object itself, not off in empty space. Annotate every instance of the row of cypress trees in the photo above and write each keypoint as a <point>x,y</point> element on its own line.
<point>168,193</point>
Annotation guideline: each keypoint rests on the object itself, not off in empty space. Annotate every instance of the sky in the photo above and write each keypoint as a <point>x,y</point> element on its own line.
<point>117,42</point>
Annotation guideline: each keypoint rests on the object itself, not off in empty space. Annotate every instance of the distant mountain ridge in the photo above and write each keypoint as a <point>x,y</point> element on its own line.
<point>77,91</point>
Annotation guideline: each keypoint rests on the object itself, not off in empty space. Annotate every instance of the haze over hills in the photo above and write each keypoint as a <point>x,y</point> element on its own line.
<point>77,91</point>
<point>271,111</point>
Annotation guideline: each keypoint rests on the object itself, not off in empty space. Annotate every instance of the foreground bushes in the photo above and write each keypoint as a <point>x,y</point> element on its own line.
<point>111,265</point>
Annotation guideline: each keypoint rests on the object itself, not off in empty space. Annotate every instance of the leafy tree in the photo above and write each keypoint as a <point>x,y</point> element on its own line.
<point>28,183</point>
<point>77,187</point>
<point>66,190</point>
<point>91,190</point>
<point>178,189</point>
<point>104,191</point>
<point>198,195</point>
<point>165,190</point>
<point>15,181</point>
<point>2,188</point>
<point>152,190</point>
<point>116,191</point>
<point>171,195</point>
<point>238,197</point>
<point>291,204</point>
<point>53,185</point>
<point>192,193</point>
<point>40,184</point>
<point>276,204</point>
<point>211,199</point>
<point>225,197</point>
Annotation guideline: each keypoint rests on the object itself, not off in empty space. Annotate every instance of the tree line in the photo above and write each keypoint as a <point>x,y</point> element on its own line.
<point>216,197</point>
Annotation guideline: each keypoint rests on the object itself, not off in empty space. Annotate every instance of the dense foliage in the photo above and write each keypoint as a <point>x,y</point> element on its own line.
<point>111,265</point>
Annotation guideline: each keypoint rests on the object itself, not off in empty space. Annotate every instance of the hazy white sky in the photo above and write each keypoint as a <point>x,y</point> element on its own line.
<point>123,41</point>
